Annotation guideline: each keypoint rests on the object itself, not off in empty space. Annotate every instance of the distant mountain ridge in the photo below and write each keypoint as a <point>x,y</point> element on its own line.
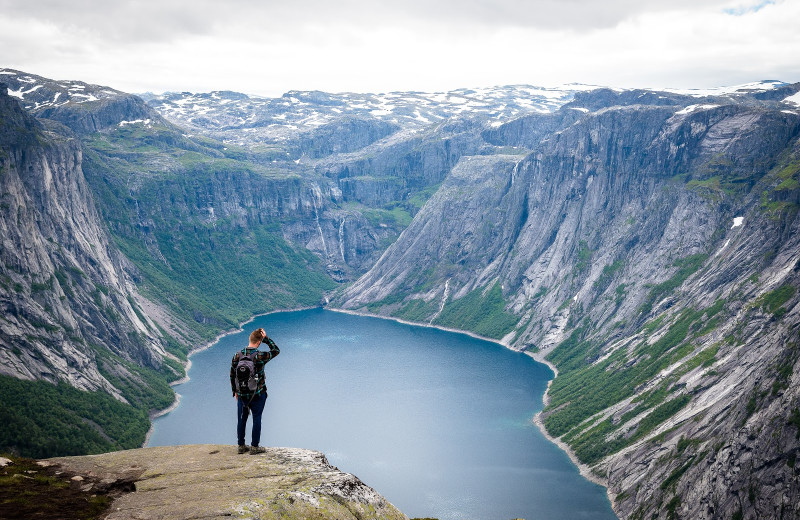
<point>243,119</point>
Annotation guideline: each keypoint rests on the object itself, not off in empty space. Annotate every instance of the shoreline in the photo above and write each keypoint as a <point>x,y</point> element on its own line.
<point>154,414</point>
<point>584,470</point>
<point>421,324</point>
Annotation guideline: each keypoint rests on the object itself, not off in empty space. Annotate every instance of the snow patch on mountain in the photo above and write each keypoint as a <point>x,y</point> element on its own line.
<point>744,88</point>
<point>795,99</point>
<point>692,108</point>
<point>38,93</point>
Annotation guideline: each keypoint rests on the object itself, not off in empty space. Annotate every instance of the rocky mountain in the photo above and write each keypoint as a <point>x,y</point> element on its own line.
<point>71,310</point>
<point>646,246</point>
<point>642,242</point>
<point>609,236</point>
<point>83,107</point>
<point>60,274</point>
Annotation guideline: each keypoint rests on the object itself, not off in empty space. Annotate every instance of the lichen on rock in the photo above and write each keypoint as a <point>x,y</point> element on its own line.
<point>213,481</point>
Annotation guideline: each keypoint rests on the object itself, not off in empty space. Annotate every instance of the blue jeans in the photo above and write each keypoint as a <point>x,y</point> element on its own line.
<point>257,407</point>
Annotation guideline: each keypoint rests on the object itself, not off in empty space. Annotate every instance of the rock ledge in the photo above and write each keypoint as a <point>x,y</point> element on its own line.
<point>213,481</point>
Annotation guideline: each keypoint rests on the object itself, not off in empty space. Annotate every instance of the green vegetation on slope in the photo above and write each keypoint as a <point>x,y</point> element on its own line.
<point>586,387</point>
<point>42,420</point>
<point>417,310</point>
<point>46,420</point>
<point>216,279</point>
<point>777,199</point>
<point>609,271</point>
<point>143,387</point>
<point>395,217</point>
<point>773,301</point>
<point>212,273</point>
<point>686,267</point>
<point>481,313</point>
<point>720,177</point>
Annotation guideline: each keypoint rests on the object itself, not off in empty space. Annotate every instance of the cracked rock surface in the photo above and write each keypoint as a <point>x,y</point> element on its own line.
<point>213,481</point>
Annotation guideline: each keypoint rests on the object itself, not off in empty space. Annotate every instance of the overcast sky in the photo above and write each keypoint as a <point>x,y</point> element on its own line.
<point>269,47</point>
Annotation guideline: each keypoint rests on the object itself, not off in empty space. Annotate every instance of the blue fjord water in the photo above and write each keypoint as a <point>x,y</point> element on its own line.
<point>437,422</point>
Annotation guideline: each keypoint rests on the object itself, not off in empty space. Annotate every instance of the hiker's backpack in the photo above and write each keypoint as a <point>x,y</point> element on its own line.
<point>246,376</point>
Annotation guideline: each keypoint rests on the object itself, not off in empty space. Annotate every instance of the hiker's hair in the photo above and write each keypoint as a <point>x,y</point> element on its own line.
<point>256,336</point>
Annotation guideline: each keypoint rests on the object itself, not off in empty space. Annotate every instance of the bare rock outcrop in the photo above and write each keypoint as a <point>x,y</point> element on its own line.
<point>213,481</point>
<point>61,277</point>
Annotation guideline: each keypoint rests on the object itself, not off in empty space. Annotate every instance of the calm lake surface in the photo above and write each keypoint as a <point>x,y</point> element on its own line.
<point>437,422</point>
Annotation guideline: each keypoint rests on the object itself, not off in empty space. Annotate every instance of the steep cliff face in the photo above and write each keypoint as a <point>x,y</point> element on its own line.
<point>61,280</point>
<point>81,360</point>
<point>393,169</point>
<point>605,186</point>
<point>649,252</point>
<point>190,211</point>
<point>342,135</point>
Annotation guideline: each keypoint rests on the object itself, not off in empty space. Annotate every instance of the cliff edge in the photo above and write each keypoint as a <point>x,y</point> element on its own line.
<point>213,481</point>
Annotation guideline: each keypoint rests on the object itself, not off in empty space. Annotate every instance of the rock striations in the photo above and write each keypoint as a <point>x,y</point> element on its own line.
<point>66,296</point>
<point>651,253</point>
<point>209,481</point>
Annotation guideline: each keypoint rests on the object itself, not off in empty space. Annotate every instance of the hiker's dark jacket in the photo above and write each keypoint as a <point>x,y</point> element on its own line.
<point>259,360</point>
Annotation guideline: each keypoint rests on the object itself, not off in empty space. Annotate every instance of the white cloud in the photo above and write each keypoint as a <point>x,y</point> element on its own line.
<point>164,19</point>
<point>359,46</point>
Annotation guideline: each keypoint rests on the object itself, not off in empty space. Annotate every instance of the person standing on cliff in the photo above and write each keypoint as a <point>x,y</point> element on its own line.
<point>249,387</point>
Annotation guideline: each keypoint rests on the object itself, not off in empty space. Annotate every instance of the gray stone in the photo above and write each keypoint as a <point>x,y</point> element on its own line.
<point>213,481</point>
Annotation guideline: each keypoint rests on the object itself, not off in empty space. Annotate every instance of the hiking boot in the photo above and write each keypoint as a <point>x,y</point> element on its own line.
<point>243,449</point>
<point>255,450</point>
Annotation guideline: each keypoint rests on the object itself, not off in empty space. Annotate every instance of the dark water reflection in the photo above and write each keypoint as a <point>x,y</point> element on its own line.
<point>437,422</point>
